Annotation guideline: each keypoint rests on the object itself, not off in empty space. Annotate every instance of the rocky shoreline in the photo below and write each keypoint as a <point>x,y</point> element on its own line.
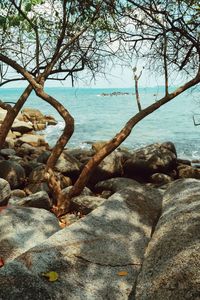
<point>131,234</point>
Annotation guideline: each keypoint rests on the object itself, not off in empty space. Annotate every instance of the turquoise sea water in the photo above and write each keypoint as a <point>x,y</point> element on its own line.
<point>100,117</point>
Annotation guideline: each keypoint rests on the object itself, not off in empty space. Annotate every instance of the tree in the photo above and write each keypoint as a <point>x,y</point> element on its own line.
<point>166,34</point>
<point>44,40</point>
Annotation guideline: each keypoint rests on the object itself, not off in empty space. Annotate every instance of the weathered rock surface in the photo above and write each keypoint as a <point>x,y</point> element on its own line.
<point>155,158</point>
<point>22,229</point>
<point>88,255</point>
<point>12,172</point>
<point>39,200</point>
<point>5,191</point>
<point>172,260</point>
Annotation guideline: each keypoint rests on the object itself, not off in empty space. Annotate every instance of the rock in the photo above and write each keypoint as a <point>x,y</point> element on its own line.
<point>50,120</point>
<point>43,157</point>
<point>82,155</point>
<point>86,191</point>
<point>5,191</point>
<point>88,256</point>
<point>13,173</point>
<point>183,161</point>
<point>9,143</point>
<point>37,181</point>
<point>17,159</point>
<point>98,145</point>
<point>69,219</point>
<point>116,184</point>
<point>18,193</point>
<point>68,165</point>
<point>38,200</point>
<point>22,127</point>
<point>30,166</point>
<point>170,146</point>
<point>3,113</point>
<point>160,179</point>
<point>22,229</point>
<point>146,161</point>
<point>39,126</point>
<point>172,259</point>
<point>32,114</point>
<point>12,134</point>
<point>85,204</point>
<point>110,167</point>
<point>33,140</point>
<point>185,171</point>
<point>7,152</point>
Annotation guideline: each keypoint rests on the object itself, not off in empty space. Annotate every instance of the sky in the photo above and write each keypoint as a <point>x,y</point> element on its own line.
<point>115,78</point>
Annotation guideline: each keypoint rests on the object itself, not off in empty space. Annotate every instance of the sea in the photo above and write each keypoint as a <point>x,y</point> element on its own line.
<point>100,113</point>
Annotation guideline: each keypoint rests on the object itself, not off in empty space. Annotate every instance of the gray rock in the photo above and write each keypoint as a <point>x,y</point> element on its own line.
<point>23,228</point>
<point>39,200</point>
<point>155,158</point>
<point>5,191</point>
<point>85,204</point>
<point>88,255</point>
<point>68,165</point>
<point>43,157</point>
<point>86,191</point>
<point>7,152</point>
<point>115,184</point>
<point>110,167</point>
<point>13,173</point>
<point>172,259</point>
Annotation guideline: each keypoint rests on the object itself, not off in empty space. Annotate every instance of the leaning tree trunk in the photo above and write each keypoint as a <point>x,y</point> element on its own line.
<point>115,142</point>
<point>67,132</point>
<point>12,114</point>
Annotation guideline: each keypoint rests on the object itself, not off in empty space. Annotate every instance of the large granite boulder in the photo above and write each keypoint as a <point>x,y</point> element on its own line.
<point>98,257</point>
<point>172,259</point>
<point>22,229</point>
<point>155,158</point>
<point>13,173</point>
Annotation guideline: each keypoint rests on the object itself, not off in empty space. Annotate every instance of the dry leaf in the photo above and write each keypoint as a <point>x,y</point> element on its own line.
<point>1,262</point>
<point>122,273</point>
<point>51,276</point>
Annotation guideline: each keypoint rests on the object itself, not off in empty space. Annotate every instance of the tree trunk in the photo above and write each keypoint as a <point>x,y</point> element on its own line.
<point>137,93</point>
<point>115,142</point>
<point>11,115</point>
<point>67,132</point>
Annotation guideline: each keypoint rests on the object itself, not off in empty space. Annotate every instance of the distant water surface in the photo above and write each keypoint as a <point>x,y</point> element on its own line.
<point>99,117</point>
